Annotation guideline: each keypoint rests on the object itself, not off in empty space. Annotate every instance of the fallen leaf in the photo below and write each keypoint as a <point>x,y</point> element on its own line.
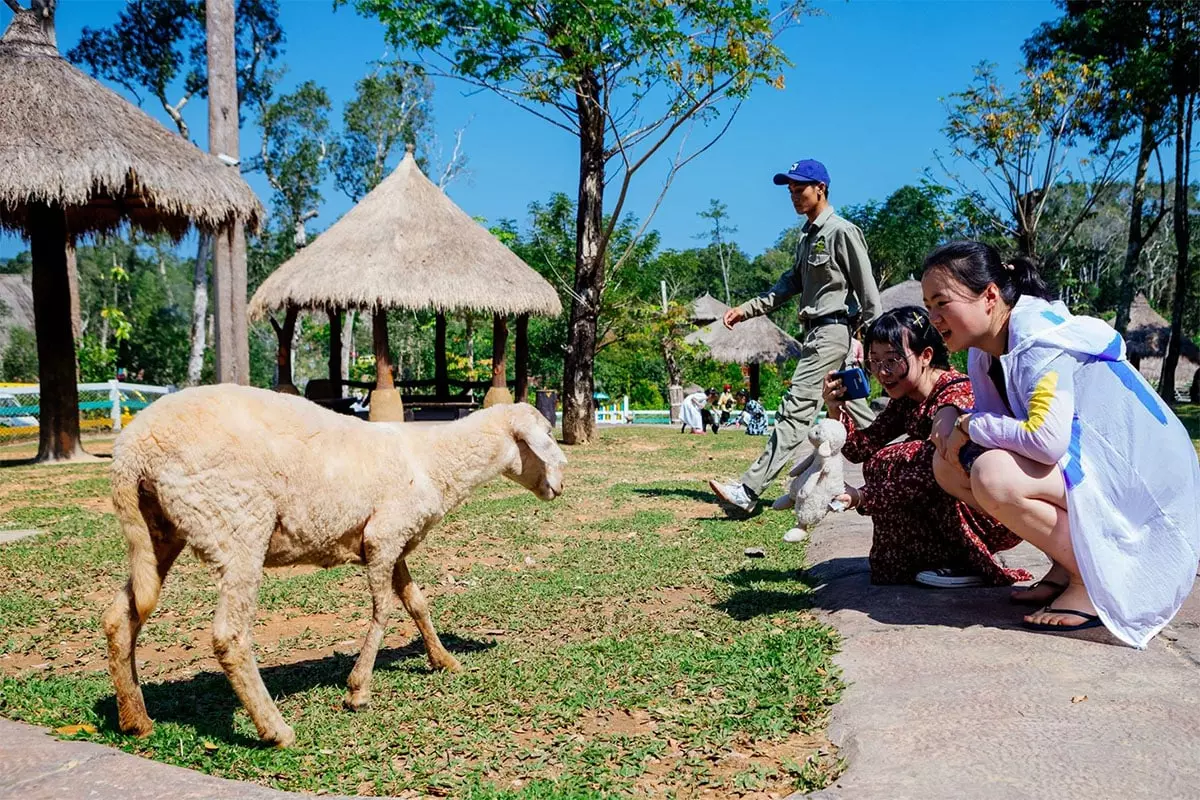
<point>71,730</point>
<point>1079,698</point>
<point>210,747</point>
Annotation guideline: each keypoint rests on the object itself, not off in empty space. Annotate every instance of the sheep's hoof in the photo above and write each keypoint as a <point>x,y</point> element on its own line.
<point>140,728</point>
<point>284,737</point>
<point>448,663</point>
<point>357,702</point>
<point>795,536</point>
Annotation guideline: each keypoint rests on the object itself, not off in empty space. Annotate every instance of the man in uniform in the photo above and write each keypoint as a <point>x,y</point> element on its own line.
<point>837,291</point>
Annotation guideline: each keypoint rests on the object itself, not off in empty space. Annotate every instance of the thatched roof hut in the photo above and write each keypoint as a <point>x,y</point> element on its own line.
<point>907,293</point>
<point>407,245</point>
<point>1146,341</point>
<point>706,309</point>
<point>752,342</point>
<point>76,158</point>
<point>69,141</point>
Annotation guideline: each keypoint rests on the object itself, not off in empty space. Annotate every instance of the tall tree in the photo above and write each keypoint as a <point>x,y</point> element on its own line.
<point>158,47</point>
<point>624,79</point>
<point>1130,40</point>
<point>294,154</point>
<point>718,238</point>
<point>901,230</point>
<point>1020,144</point>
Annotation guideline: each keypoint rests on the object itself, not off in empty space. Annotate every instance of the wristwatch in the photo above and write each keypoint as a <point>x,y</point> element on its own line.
<point>963,423</point>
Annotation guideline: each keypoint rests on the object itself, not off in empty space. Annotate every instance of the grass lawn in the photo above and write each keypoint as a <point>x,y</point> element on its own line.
<point>616,642</point>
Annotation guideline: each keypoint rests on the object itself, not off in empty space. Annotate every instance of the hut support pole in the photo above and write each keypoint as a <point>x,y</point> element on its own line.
<point>58,418</point>
<point>755,380</point>
<point>522,355</point>
<point>386,405</point>
<point>440,375</point>
<point>335,349</point>
<point>286,334</point>
<point>498,393</point>
<point>226,356</point>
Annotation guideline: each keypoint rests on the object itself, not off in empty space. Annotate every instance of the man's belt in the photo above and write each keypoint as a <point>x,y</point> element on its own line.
<point>839,318</point>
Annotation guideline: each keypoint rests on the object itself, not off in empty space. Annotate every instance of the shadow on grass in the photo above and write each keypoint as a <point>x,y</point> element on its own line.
<point>699,495</point>
<point>206,702</point>
<point>748,602</point>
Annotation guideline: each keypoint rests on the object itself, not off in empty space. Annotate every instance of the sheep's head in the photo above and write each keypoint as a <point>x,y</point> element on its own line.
<point>827,436</point>
<point>538,463</point>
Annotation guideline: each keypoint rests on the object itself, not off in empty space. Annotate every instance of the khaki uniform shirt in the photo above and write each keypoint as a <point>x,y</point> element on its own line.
<point>831,274</point>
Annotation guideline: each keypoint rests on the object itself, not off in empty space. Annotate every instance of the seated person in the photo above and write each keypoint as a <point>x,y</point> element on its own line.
<point>726,405</point>
<point>754,416</point>
<point>921,533</point>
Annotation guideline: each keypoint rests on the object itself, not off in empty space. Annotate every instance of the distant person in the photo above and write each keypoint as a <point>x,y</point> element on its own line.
<point>920,532</point>
<point>836,288</point>
<point>754,416</point>
<point>726,404</point>
<point>1068,446</point>
<point>691,412</point>
<point>709,414</point>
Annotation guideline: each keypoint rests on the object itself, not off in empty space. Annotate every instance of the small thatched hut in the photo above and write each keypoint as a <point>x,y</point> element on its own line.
<point>407,245</point>
<point>76,158</point>
<point>752,342</point>
<point>1146,341</point>
<point>906,293</point>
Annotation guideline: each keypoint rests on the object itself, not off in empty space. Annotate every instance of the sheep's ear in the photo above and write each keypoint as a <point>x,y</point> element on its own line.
<point>539,441</point>
<point>825,449</point>
<point>801,465</point>
<point>784,501</point>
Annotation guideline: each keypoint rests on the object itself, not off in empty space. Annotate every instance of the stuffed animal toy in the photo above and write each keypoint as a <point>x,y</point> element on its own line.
<point>816,480</point>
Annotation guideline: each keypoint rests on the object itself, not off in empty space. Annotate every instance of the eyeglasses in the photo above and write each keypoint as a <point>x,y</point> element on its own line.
<point>892,365</point>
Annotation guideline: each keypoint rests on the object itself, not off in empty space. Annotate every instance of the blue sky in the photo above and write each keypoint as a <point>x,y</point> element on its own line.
<point>863,96</point>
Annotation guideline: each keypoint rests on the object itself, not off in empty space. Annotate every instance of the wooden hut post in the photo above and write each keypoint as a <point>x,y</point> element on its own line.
<point>522,356</point>
<point>386,405</point>
<point>335,349</point>
<point>498,393</point>
<point>755,380</point>
<point>283,355</point>
<point>441,378</point>
<point>58,416</point>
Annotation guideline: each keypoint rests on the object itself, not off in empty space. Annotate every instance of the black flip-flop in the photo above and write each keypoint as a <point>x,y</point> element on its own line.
<point>1061,587</point>
<point>1089,621</point>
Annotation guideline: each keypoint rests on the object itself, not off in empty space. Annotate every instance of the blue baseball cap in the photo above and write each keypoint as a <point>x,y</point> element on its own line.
<point>806,171</point>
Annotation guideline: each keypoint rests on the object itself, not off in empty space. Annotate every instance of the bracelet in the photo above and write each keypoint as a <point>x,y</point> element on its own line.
<point>958,423</point>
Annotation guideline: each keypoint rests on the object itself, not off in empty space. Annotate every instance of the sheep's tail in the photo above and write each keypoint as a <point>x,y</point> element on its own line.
<point>145,583</point>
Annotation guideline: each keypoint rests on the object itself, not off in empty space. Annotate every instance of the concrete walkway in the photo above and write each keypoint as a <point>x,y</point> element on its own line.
<point>948,697</point>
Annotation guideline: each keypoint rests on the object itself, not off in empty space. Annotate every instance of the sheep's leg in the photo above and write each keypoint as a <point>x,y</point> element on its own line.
<point>233,627</point>
<point>382,603</point>
<point>122,624</point>
<point>416,605</point>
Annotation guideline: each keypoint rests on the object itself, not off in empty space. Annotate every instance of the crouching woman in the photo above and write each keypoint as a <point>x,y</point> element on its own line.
<point>1068,446</point>
<point>921,533</point>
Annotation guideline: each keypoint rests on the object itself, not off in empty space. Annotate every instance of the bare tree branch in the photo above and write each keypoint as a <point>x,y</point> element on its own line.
<point>14,5</point>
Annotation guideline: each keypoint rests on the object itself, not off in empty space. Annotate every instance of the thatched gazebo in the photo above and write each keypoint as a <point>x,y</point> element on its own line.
<point>1146,341</point>
<point>905,293</point>
<point>751,342</point>
<point>407,245</point>
<point>76,158</point>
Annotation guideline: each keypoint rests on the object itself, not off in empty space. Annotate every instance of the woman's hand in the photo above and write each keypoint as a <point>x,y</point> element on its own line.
<point>943,427</point>
<point>831,390</point>
<point>850,498</point>
<point>954,443</point>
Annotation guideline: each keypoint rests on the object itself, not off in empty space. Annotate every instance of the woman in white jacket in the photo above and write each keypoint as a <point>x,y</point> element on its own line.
<point>1068,446</point>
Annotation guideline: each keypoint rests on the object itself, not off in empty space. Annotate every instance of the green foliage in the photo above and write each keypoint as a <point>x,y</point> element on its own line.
<point>20,360</point>
<point>902,230</point>
<point>20,264</point>
<point>390,107</point>
<point>96,362</point>
<point>295,131</point>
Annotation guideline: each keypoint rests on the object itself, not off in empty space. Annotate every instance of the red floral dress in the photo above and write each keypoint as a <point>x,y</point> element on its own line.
<point>919,526</point>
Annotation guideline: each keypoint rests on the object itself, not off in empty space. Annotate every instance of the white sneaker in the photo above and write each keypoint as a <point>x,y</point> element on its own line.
<point>946,578</point>
<point>734,494</point>
<point>795,536</point>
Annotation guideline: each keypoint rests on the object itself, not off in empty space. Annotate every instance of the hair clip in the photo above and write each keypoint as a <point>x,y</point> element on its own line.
<point>917,319</point>
<point>1009,266</point>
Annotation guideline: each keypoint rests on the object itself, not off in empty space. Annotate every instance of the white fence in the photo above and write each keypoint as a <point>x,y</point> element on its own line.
<point>102,406</point>
<point>619,413</point>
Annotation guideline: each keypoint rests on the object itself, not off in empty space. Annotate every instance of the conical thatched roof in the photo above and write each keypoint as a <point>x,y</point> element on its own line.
<point>751,342</point>
<point>407,245</point>
<point>707,308</point>
<point>907,293</point>
<point>66,139</point>
<point>1149,332</point>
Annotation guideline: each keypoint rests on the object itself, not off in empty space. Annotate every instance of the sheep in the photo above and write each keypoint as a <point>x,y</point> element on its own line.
<point>816,480</point>
<point>250,478</point>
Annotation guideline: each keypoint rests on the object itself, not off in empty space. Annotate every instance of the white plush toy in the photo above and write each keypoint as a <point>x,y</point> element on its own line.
<point>816,480</point>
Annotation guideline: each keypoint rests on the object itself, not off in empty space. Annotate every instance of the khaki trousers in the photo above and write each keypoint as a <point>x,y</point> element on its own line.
<point>825,349</point>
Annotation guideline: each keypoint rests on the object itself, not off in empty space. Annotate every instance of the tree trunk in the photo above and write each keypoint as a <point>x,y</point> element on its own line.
<point>498,393</point>
<point>58,418</point>
<point>578,415</point>
<point>283,355</point>
<point>522,356</point>
<point>347,342</point>
<point>199,310</point>
<point>470,337</point>
<point>674,377</point>
<point>1184,103</point>
<point>440,375</point>
<point>335,349</point>
<point>229,249</point>
<point>755,381</point>
<point>383,356</point>
<point>1133,247</point>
